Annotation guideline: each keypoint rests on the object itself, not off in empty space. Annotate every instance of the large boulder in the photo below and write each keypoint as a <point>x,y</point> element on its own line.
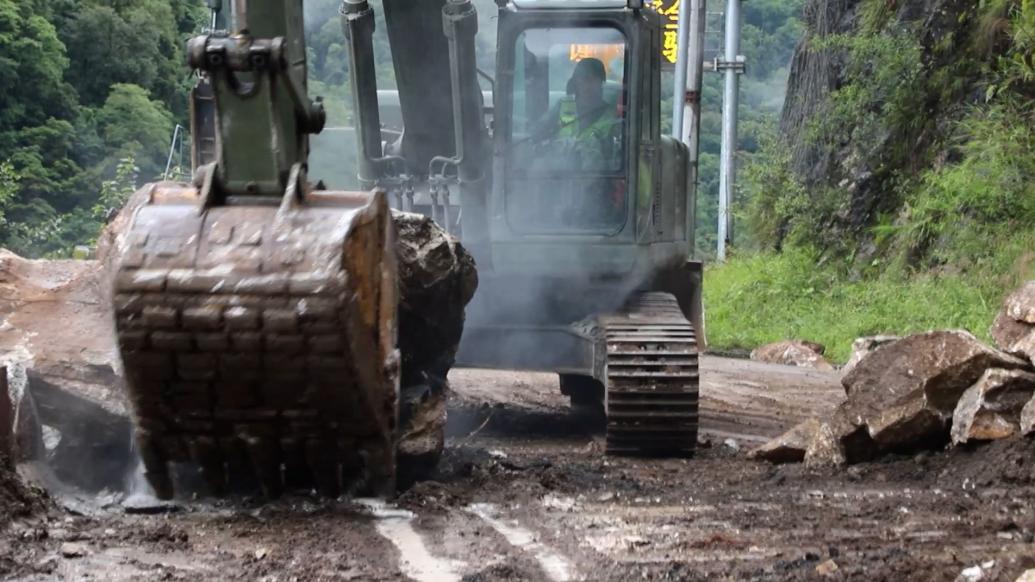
<point>803,354</point>
<point>991,408</point>
<point>1014,327</point>
<point>838,441</point>
<point>437,278</point>
<point>829,443</point>
<point>67,396</point>
<point>905,393</point>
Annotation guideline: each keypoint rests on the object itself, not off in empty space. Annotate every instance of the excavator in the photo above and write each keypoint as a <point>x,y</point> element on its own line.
<point>257,312</point>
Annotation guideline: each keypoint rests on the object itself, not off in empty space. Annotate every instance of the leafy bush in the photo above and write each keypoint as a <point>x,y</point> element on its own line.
<point>990,190</point>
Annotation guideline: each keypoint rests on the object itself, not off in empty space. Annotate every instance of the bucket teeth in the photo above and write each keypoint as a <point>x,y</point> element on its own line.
<point>239,470</point>
<point>156,469</point>
<point>205,452</point>
<point>323,460</point>
<point>296,472</point>
<point>265,460</point>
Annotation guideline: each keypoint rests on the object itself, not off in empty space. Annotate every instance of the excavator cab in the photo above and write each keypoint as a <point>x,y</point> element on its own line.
<point>580,214</point>
<point>565,164</point>
<point>590,222</point>
<point>578,133</point>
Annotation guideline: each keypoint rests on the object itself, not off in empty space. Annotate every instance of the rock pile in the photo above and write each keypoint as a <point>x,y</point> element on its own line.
<point>925,391</point>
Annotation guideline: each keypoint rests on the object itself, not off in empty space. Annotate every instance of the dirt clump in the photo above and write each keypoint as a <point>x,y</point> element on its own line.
<point>17,499</point>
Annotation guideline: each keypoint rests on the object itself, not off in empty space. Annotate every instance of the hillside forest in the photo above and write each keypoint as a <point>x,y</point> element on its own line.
<point>96,88</point>
<point>885,150</point>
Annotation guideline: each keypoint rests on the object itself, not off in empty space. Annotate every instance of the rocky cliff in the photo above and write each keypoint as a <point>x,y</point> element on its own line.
<point>873,90</point>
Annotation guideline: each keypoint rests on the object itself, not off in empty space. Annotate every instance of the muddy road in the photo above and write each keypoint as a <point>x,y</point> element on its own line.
<point>524,493</point>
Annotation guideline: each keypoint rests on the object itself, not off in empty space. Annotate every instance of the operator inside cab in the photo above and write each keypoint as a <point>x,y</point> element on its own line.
<point>565,167</point>
<point>584,120</point>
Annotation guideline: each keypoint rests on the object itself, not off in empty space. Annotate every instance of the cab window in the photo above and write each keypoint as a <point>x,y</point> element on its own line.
<point>566,163</point>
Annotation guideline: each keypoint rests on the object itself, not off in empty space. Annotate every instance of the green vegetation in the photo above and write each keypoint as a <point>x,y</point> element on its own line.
<point>770,31</point>
<point>799,294</point>
<point>89,87</point>
<point>925,219</point>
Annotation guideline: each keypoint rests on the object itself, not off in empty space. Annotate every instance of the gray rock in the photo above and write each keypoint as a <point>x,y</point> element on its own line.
<point>1020,305</point>
<point>437,278</point>
<point>1028,418</point>
<point>825,448</point>
<point>863,346</point>
<point>73,550</point>
<point>803,354</point>
<point>991,408</point>
<point>1013,336</point>
<point>789,447</point>
<point>146,504</point>
<point>905,393</point>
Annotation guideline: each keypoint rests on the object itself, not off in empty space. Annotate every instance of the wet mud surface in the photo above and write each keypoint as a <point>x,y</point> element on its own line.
<point>525,493</point>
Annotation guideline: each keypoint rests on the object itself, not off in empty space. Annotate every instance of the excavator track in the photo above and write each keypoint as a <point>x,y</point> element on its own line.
<point>259,343</point>
<point>652,378</point>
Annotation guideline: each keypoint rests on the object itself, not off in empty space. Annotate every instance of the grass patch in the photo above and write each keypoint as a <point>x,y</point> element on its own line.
<point>766,297</point>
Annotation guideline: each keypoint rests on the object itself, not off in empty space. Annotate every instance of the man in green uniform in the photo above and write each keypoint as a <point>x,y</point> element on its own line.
<point>587,119</point>
<point>580,137</point>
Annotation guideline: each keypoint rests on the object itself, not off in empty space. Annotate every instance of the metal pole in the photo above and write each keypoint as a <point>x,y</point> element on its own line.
<point>727,164</point>
<point>172,151</point>
<point>679,86</point>
<point>690,126</point>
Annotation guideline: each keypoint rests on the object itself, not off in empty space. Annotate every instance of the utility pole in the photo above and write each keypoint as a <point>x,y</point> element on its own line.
<point>732,64</point>
<point>686,102</point>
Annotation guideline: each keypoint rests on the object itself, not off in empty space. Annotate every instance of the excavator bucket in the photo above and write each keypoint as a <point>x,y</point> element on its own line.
<point>259,339</point>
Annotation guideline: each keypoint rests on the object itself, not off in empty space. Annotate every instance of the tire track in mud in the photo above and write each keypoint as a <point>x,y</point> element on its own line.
<point>429,550</point>
<point>556,567</point>
<point>415,560</point>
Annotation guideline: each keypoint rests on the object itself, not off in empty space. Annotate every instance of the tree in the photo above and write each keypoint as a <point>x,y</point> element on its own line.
<point>48,175</point>
<point>133,41</point>
<point>134,126</point>
<point>8,188</point>
<point>32,65</point>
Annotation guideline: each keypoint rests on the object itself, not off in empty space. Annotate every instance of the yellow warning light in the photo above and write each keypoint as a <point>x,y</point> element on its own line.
<point>606,53</point>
